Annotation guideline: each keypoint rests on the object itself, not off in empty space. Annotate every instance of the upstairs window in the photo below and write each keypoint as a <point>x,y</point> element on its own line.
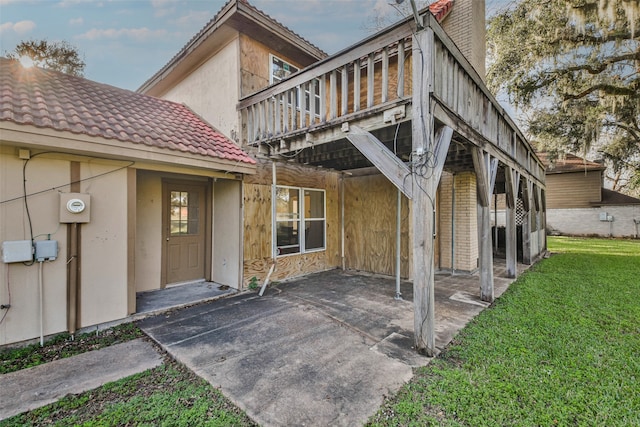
<point>281,69</point>
<point>300,220</point>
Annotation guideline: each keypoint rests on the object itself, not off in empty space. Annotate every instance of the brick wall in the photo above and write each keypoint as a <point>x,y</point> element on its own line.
<point>458,191</point>
<point>466,222</point>
<point>465,24</point>
<point>445,200</point>
<point>586,221</point>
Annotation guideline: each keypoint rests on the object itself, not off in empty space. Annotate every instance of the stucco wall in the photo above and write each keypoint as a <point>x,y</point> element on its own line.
<point>148,231</point>
<point>212,90</point>
<point>22,320</point>
<point>104,245</point>
<point>586,221</point>
<point>227,220</point>
<point>103,258</point>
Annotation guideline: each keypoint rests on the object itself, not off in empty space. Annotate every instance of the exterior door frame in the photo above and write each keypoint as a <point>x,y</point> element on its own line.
<point>166,182</point>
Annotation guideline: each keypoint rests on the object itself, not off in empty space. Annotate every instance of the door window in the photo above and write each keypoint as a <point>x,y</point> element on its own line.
<point>184,212</point>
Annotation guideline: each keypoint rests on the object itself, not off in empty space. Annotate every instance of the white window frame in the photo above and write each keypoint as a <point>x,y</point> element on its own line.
<point>307,92</point>
<point>302,222</point>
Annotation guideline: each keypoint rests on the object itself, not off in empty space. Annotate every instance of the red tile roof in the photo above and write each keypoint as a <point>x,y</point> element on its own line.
<point>49,99</point>
<point>570,163</point>
<point>440,9</point>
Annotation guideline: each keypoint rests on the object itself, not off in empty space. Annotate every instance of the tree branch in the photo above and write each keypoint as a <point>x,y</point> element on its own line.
<point>609,89</point>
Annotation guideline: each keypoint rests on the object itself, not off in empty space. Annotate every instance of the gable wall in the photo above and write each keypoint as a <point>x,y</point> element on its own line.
<point>212,90</point>
<point>255,65</point>
<point>573,190</point>
<point>465,24</point>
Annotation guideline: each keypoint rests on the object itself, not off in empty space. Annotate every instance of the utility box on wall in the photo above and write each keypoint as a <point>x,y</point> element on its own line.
<point>75,207</point>
<point>17,251</point>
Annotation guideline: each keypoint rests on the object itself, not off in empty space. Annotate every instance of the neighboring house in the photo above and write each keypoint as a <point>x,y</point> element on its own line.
<point>350,152</point>
<point>578,204</point>
<point>161,190</point>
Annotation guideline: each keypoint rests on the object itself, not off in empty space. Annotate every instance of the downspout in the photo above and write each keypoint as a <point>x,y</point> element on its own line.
<point>274,244</point>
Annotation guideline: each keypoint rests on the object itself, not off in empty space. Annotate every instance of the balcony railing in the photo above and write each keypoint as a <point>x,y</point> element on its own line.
<point>376,75</point>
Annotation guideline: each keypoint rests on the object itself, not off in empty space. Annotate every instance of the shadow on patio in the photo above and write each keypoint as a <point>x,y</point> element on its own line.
<point>323,349</point>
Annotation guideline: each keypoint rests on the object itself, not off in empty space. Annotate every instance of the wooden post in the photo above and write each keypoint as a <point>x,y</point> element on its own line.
<point>424,195</point>
<point>485,177</point>
<point>512,179</point>
<point>526,223</point>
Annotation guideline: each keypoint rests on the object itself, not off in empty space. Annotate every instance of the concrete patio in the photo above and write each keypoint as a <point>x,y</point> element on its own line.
<point>320,350</point>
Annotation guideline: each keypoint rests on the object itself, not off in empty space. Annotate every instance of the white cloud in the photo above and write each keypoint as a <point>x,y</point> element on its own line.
<point>164,7</point>
<point>193,18</point>
<point>71,3</point>
<point>137,34</point>
<point>20,27</point>
<point>159,4</point>
<point>76,21</point>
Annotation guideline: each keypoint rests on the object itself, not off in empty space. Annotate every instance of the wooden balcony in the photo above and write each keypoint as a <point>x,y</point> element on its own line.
<point>407,102</point>
<point>371,85</point>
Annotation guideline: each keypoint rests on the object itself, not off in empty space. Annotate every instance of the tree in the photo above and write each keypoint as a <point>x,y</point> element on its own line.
<point>57,56</point>
<point>390,12</point>
<point>573,68</point>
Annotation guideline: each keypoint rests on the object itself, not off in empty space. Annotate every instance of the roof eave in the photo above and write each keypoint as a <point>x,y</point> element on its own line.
<point>228,16</point>
<point>29,136</point>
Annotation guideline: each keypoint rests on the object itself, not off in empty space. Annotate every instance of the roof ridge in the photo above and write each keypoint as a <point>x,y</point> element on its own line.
<point>183,50</point>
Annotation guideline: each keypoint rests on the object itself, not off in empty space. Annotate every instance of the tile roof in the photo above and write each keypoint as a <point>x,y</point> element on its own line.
<point>569,163</point>
<point>441,8</point>
<point>49,99</point>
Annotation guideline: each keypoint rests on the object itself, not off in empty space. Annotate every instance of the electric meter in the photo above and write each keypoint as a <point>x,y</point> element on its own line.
<point>75,206</point>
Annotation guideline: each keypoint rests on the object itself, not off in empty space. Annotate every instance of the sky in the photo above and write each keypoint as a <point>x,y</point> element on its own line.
<point>124,42</point>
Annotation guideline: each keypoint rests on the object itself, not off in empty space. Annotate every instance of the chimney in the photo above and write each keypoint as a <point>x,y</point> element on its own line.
<point>466,26</point>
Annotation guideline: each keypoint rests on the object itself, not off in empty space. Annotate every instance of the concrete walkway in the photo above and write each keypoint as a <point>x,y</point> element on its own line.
<point>32,388</point>
<point>321,350</point>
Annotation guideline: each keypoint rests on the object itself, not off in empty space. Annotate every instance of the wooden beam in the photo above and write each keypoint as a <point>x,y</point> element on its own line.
<point>486,252</point>
<point>423,209</point>
<point>443,140</point>
<point>512,179</point>
<point>482,168</point>
<point>445,115</point>
<point>400,88</point>
<point>526,222</point>
<point>486,170</point>
<point>378,154</point>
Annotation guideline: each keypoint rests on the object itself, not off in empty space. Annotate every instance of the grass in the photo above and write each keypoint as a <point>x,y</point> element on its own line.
<point>169,395</point>
<point>560,347</point>
<point>64,345</point>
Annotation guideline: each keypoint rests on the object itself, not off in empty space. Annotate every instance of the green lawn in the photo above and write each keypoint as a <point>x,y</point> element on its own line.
<point>560,347</point>
<point>169,395</point>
